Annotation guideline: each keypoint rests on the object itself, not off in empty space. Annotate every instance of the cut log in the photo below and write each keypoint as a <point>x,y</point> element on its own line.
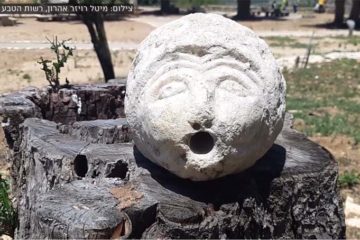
<point>78,103</point>
<point>99,131</point>
<point>70,188</point>
<point>81,103</point>
<point>68,183</point>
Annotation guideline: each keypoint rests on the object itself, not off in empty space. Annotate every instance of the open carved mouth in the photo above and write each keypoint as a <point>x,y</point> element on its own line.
<point>201,143</point>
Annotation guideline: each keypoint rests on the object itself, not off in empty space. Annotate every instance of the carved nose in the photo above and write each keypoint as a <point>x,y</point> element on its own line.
<point>197,125</point>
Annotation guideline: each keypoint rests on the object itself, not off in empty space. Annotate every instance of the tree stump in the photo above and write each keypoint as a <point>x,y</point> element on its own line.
<point>75,181</point>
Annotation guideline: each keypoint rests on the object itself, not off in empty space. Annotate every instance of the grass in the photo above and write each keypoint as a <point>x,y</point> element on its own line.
<point>349,179</point>
<point>27,77</point>
<point>326,97</point>
<point>281,41</point>
<point>7,212</point>
<point>353,40</point>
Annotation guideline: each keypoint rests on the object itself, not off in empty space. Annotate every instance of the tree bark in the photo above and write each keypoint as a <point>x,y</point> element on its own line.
<point>95,25</point>
<point>165,6</point>
<point>243,9</point>
<point>95,189</point>
<point>101,101</point>
<point>355,12</point>
<point>339,13</point>
<point>69,184</point>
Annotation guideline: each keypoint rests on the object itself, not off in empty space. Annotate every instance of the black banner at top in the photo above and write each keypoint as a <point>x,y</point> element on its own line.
<point>64,8</point>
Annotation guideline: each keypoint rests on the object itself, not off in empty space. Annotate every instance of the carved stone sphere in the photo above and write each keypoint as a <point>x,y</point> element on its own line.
<point>205,97</point>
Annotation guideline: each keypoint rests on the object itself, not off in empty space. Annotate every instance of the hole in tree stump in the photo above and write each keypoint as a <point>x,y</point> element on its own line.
<point>123,229</point>
<point>119,170</point>
<point>201,143</point>
<point>81,165</point>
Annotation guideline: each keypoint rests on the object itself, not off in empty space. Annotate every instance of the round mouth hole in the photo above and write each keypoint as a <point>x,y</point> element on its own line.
<point>201,143</point>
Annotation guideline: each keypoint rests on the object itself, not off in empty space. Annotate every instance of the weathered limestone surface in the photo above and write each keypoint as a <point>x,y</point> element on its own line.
<point>74,189</point>
<point>205,97</point>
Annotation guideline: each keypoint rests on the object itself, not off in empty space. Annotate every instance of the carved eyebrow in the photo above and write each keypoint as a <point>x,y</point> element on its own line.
<point>189,57</point>
<point>243,68</point>
<point>168,75</point>
<point>239,77</point>
<point>178,64</point>
<point>177,60</point>
<point>234,78</point>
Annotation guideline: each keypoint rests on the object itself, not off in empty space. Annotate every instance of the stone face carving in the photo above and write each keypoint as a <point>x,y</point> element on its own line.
<point>205,97</point>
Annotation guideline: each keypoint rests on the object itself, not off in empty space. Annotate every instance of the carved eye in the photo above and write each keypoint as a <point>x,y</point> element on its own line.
<point>171,89</point>
<point>234,87</point>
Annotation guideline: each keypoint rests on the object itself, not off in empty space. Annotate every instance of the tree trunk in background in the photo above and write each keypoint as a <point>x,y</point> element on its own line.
<point>243,10</point>
<point>355,12</point>
<point>95,25</point>
<point>165,6</point>
<point>339,12</point>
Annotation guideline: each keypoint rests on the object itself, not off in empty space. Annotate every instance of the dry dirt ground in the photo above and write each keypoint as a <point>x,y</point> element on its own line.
<point>19,67</point>
<point>29,29</point>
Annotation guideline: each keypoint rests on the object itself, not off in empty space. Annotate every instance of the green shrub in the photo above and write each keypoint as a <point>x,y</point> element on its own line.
<point>27,77</point>
<point>7,212</point>
<point>349,179</point>
<point>52,69</point>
